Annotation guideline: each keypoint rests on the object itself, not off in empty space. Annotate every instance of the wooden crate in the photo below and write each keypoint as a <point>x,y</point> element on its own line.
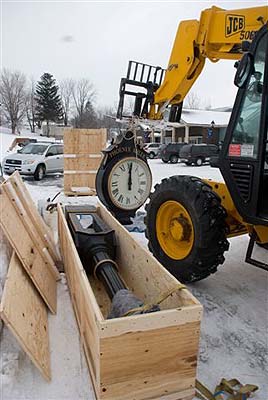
<point>82,158</point>
<point>150,356</point>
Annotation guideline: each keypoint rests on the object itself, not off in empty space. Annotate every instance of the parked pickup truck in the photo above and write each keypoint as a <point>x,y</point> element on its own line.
<point>198,154</point>
<point>36,159</point>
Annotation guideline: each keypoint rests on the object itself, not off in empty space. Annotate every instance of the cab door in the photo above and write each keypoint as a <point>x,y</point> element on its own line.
<point>243,159</point>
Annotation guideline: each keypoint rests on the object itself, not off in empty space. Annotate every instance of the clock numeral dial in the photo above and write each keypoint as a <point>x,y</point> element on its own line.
<point>129,183</point>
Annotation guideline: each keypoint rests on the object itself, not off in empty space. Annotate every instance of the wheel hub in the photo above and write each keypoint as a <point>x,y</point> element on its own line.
<point>174,230</point>
<point>180,229</point>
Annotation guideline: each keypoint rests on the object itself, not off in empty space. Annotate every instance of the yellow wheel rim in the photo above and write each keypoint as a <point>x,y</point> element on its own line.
<point>174,230</point>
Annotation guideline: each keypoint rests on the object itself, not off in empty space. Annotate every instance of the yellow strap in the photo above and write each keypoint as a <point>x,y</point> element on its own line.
<point>203,391</point>
<point>149,306</point>
<point>233,387</point>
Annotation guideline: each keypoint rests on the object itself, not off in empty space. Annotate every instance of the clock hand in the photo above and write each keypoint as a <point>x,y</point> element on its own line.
<point>129,176</point>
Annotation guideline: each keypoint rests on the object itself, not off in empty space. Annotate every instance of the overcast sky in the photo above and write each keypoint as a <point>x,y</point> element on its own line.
<point>96,40</point>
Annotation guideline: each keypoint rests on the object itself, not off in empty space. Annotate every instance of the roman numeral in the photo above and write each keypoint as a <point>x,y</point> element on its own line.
<point>143,183</point>
<point>115,183</point>
<point>140,191</point>
<point>141,175</point>
<point>116,174</point>
<point>121,198</point>
<point>123,168</point>
<point>128,200</point>
<point>115,192</point>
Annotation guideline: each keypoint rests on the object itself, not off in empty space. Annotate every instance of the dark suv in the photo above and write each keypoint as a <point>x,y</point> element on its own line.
<point>198,153</point>
<point>171,152</point>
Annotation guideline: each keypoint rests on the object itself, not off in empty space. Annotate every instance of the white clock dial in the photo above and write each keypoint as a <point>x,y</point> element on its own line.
<point>129,183</point>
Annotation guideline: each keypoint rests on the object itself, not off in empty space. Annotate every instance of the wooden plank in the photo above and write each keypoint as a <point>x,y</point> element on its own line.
<point>37,220</point>
<point>142,323</point>
<point>31,228</point>
<point>42,276</point>
<point>82,162</point>
<point>86,309</point>
<point>25,314</point>
<point>82,191</point>
<point>82,157</point>
<point>73,180</point>
<point>84,141</point>
<point>154,363</point>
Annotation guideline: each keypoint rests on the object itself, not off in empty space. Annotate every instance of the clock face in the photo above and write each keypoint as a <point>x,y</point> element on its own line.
<point>129,183</point>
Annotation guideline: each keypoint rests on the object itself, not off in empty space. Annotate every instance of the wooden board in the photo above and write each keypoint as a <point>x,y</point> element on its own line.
<point>154,363</point>
<point>84,303</point>
<point>23,240</point>
<point>42,230</point>
<point>140,357</point>
<point>25,314</point>
<point>82,157</point>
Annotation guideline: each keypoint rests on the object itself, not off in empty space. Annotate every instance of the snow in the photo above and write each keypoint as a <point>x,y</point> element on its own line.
<point>20,380</point>
<point>161,171</point>
<point>205,117</point>
<point>234,328</point>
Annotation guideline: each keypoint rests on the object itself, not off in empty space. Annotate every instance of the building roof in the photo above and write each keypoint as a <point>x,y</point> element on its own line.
<point>204,117</point>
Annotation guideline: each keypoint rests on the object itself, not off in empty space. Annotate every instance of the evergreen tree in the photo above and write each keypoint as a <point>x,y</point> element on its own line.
<point>48,107</point>
<point>88,118</point>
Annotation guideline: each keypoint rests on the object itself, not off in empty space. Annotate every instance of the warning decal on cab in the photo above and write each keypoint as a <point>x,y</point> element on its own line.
<point>247,150</point>
<point>235,150</point>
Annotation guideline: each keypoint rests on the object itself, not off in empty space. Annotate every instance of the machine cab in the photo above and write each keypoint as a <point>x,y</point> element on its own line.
<point>244,156</point>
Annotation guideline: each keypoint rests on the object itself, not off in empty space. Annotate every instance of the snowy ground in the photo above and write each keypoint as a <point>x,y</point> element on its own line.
<point>234,328</point>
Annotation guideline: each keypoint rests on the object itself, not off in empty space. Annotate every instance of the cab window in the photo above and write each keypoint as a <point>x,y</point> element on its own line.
<point>245,139</point>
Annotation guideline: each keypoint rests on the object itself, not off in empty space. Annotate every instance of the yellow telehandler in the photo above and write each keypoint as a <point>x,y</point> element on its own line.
<point>189,219</point>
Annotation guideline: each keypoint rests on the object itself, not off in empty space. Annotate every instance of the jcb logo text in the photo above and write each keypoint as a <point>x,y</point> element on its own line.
<point>234,24</point>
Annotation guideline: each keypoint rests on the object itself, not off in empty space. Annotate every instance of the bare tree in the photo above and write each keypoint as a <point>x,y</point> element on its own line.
<point>192,101</point>
<point>107,117</point>
<point>83,95</point>
<point>12,93</point>
<point>30,102</point>
<point>66,91</point>
<point>207,104</point>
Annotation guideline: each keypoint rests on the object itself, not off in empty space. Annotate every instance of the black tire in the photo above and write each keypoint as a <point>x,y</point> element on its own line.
<point>188,163</point>
<point>173,159</point>
<point>39,172</point>
<point>199,162</point>
<point>208,220</point>
<point>151,155</point>
<point>164,161</point>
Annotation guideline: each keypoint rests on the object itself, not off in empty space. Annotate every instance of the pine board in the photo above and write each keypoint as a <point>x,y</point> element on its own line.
<point>25,314</point>
<point>42,230</point>
<point>43,277</point>
<point>82,157</point>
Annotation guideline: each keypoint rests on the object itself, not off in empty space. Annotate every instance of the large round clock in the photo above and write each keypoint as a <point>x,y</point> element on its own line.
<point>129,183</point>
<point>124,179</point>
